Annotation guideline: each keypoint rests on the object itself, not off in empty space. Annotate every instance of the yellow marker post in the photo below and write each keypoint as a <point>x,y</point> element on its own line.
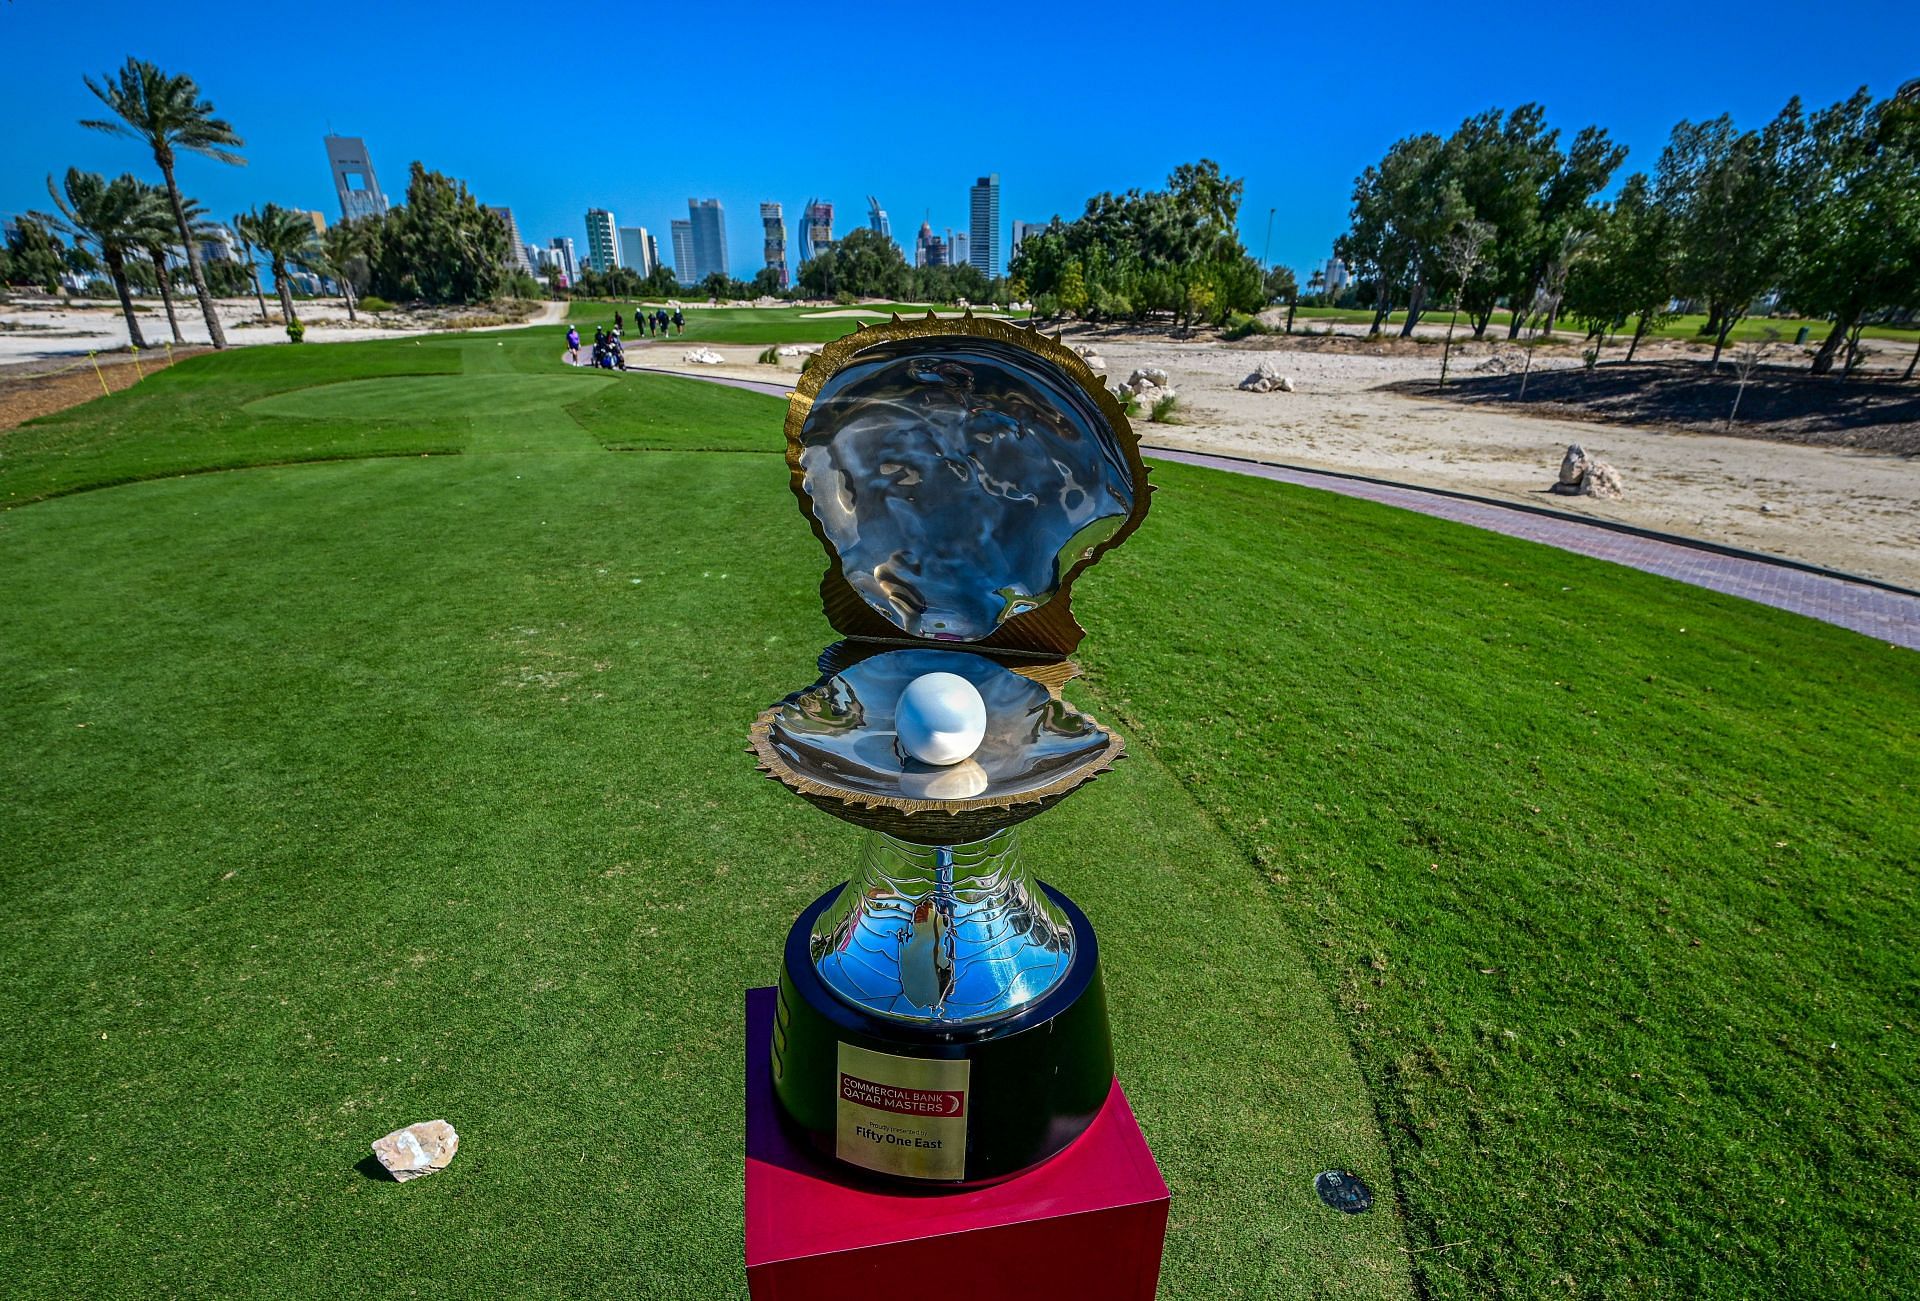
<point>138,373</point>
<point>98,375</point>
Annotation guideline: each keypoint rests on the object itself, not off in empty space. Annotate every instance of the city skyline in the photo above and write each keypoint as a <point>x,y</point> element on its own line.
<point>514,151</point>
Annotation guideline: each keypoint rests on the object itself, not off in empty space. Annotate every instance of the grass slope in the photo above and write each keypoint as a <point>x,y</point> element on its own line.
<point>347,795</point>
<point>1615,881</point>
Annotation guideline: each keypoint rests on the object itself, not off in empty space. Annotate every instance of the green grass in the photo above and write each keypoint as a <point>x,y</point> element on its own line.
<point>749,324</point>
<point>352,794</point>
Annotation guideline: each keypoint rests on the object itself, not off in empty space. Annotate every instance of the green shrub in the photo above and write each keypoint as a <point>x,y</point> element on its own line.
<point>296,332</point>
<point>845,299</point>
<point>1164,409</point>
<point>1240,325</point>
<point>375,303</point>
<point>770,357</point>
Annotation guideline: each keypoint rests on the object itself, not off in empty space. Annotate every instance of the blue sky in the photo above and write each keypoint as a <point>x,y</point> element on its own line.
<point>640,108</point>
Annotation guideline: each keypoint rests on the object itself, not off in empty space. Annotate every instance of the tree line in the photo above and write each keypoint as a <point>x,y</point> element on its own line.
<point>1129,256</point>
<point>441,246</point>
<point>1813,213</point>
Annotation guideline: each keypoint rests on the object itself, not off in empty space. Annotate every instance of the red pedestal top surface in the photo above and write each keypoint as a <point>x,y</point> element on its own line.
<point>800,1205</point>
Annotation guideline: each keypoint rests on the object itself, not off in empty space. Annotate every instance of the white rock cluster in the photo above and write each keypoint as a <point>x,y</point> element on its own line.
<point>1095,362</point>
<point>1267,379</point>
<point>703,357</point>
<point>1149,384</point>
<point>1582,475</point>
<point>797,349</point>
<point>417,1150</point>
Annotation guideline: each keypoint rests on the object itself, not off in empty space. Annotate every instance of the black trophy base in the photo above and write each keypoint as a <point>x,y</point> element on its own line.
<point>952,1108</point>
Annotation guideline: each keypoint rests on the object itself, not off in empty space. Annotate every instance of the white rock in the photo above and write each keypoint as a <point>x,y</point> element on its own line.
<point>704,357</point>
<point>797,349</point>
<point>417,1150</point>
<point>1267,379</point>
<point>940,719</point>
<point>1582,475</point>
<point>1152,375</point>
<point>1095,362</point>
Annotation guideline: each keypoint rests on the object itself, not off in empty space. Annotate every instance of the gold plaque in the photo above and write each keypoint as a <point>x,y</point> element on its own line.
<point>902,1115</point>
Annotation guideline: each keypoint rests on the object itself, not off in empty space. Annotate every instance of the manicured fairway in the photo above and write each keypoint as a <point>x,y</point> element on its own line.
<point>352,794</point>
<point>808,324</point>
<point>1572,907</point>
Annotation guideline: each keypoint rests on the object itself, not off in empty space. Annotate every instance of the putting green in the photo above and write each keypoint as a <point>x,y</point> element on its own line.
<point>415,399</point>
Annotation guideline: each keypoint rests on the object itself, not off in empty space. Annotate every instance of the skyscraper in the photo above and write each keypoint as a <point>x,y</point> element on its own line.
<point>1022,229</point>
<point>816,229</point>
<point>984,227</point>
<point>709,222</point>
<point>603,244</point>
<point>516,251</point>
<point>353,177</point>
<point>633,249</point>
<point>929,250</point>
<point>563,258</point>
<point>773,223</point>
<point>877,218</point>
<point>959,250</point>
<point>683,253</point>
<point>653,253</point>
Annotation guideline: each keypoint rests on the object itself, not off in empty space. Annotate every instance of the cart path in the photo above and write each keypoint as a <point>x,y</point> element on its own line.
<point>1885,613</point>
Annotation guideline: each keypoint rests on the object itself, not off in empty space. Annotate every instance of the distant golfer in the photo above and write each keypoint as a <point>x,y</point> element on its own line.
<point>679,322</point>
<point>617,322</point>
<point>573,346</point>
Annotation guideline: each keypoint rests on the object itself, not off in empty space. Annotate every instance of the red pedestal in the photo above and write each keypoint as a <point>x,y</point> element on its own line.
<point>1090,1222</point>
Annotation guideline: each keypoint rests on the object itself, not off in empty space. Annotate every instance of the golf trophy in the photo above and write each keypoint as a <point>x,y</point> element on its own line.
<point>941,1018</point>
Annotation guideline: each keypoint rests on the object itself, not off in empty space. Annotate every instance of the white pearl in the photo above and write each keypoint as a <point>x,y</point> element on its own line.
<point>940,718</point>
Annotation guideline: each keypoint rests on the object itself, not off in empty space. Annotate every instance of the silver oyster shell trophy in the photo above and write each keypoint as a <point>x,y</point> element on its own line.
<point>941,1015</point>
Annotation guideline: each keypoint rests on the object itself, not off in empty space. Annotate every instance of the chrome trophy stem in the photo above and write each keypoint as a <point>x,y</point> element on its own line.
<point>942,934</point>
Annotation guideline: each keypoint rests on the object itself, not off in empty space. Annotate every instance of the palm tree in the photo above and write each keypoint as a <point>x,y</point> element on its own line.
<point>111,216</point>
<point>156,235</point>
<point>243,229</point>
<point>287,238</point>
<point>340,244</point>
<point>169,115</point>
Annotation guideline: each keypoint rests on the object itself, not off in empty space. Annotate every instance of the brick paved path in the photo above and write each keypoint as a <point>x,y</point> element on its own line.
<point>1889,616</point>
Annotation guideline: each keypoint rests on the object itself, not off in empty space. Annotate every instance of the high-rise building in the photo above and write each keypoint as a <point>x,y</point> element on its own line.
<point>218,244</point>
<point>653,254</point>
<point>516,250</point>
<point>929,250</point>
<point>603,244</point>
<point>877,218</point>
<point>319,220</point>
<point>683,252</point>
<point>353,177</point>
<point>535,257</point>
<point>633,249</point>
<point>563,258</point>
<point>1022,229</point>
<point>1337,277</point>
<point>816,229</point>
<point>709,237</point>
<point>983,230</point>
<point>773,223</point>
<point>959,248</point>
